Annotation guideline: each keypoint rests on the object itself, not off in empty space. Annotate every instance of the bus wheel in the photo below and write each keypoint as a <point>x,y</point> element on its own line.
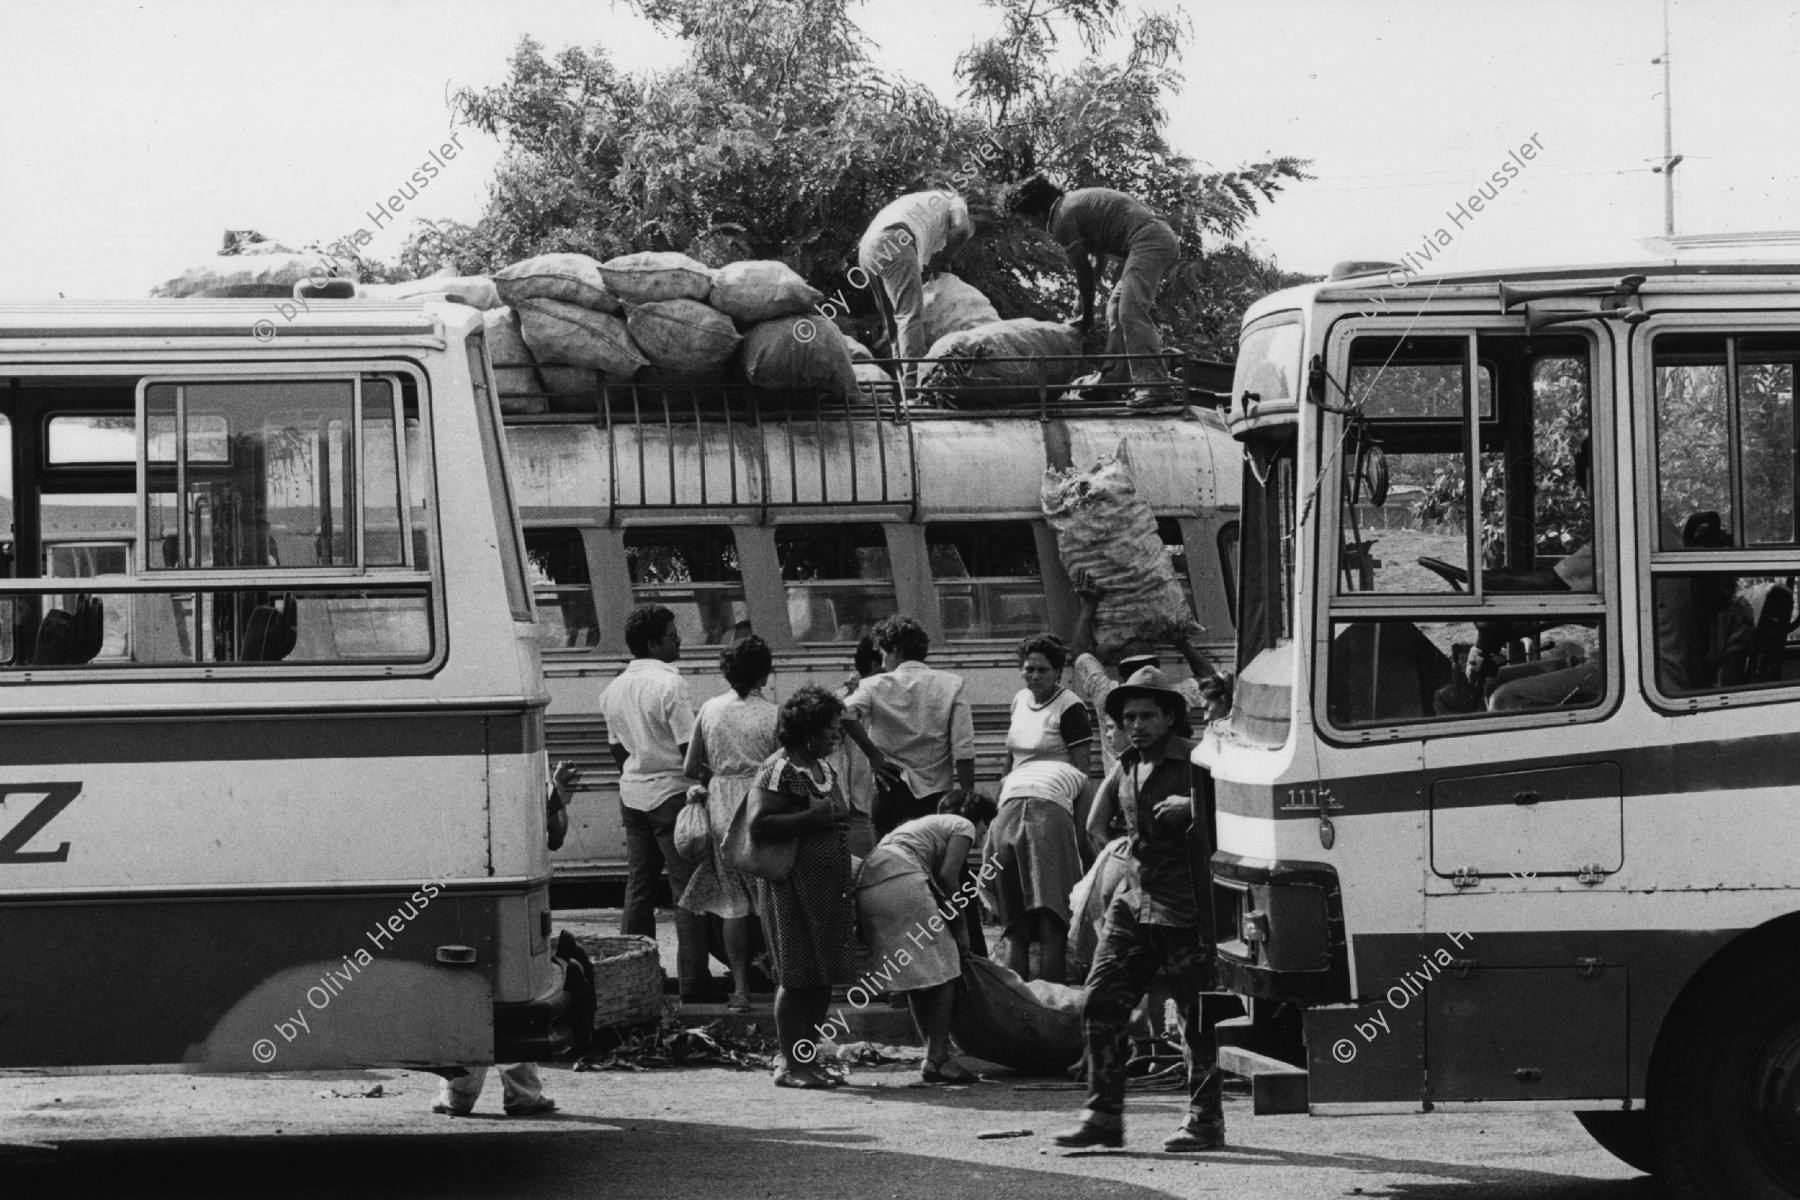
<point>1726,1108</point>
<point>1626,1136</point>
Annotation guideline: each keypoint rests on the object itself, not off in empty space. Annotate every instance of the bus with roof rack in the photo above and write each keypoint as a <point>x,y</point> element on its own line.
<point>1506,806</point>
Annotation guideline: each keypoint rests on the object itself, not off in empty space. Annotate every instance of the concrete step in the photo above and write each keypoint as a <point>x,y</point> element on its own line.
<point>873,1023</point>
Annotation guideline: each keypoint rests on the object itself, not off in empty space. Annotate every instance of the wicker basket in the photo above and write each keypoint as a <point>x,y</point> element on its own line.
<point>628,980</point>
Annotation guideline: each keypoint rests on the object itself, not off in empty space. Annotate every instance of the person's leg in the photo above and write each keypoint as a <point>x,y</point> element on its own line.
<point>799,1011</point>
<point>1053,943</point>
<point>1114,372</point>
<point>643,863</point>
<point>904,282</point>
<point>870,259</point>
<point>523,1090</point>
<point>1150,259</point>
<point>972,914</point>
<point>1015,947</point>
<point>893,807</point>
<point>1123,966</point>
<point>458,1096</point>
<point>737,954</point>
<point>931,1010</point>
<point>1191,965</point>
<point>692,955</point>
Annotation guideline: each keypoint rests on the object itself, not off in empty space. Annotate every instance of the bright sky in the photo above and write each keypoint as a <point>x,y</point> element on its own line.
<point>133,135</point>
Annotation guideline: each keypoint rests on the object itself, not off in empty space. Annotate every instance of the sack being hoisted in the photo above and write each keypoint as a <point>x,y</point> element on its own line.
<point>1105,528</point>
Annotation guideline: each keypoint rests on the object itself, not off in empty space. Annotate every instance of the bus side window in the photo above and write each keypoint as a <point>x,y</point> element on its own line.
<point>1725,630</point>
<point>838,578</point>
<point>556,561</point>
<point>692,571</point>
<point>989,584</point>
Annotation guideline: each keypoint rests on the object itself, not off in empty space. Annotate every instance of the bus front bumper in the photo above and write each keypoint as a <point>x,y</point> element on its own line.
<point>1279,926</point>
<point>558,1022</point>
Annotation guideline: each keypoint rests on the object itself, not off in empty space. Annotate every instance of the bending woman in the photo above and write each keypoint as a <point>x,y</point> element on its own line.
<point>914,874</point>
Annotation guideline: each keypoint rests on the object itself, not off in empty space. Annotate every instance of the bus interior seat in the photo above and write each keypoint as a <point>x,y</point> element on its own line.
<point>69,638</point>
<point>90,627</point>
<point>270,633</point>
<point>1774,607</point>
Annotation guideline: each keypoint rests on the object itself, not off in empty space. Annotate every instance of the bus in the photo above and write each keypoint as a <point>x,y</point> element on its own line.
<point>1499,812</point>
<point>807,520</point>
<point>272,791</point>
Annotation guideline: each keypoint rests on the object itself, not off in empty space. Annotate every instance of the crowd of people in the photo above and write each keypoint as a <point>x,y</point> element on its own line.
<point>841,818</point>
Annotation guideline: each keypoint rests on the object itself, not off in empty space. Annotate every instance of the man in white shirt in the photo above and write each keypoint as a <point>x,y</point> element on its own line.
<point>915,724</point>
<point>899,246</point>
<point>649,722</point>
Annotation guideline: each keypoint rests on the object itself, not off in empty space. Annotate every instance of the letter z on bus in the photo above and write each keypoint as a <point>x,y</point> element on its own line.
<point>57,796</point>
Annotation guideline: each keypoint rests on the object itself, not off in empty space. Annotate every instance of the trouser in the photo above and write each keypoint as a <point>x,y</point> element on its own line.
<point>1130,322</point>
<point>895,805</point>
<point>519,1085</point>
<point>896,277</point>
<point>649,847</point>
<point>1128,959</point>
<point>1570,687</point>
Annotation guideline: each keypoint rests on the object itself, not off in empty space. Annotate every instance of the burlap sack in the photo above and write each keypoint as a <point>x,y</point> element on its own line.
<point>476,291</point>
<point>799,353</point>
<point>952,306</point>
<point>259,275</point>
<point>653,275</point>
<point>682,335</point>
<point>749,292</point>
<point>964,371</point>
<point>1032,1027</point>
<point>569,335</point>
<point>858,351</point>
<point>571,278</point>
<point>1105,528</point>
<point>507,345</point>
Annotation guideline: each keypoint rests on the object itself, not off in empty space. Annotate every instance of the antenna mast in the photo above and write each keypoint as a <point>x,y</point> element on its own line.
<point>1670,158</point>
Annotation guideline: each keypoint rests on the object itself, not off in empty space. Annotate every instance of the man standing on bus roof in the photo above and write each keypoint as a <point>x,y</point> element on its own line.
<point>1156,921</point>
<point>1092,225</point>
<point>649,721</point>
<point>895,253</point>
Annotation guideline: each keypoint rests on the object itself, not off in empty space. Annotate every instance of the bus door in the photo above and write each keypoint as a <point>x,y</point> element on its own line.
<point>1471,623</point>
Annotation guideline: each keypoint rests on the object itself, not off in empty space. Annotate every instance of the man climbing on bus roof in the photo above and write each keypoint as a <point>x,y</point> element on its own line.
<point>649,721</point>
<point>1156,920</point>
<point>1092,225</point>
<point>904,242</point>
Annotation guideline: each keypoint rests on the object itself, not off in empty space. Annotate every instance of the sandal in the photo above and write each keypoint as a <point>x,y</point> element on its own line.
<point>739,1003</point>
<point>948,1071</point>
<point>801,1078</point>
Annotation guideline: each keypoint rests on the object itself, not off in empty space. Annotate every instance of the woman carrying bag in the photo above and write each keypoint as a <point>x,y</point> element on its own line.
<point>794,838</point>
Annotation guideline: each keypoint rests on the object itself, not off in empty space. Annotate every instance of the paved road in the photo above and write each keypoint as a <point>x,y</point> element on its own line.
<point>714,1134</point>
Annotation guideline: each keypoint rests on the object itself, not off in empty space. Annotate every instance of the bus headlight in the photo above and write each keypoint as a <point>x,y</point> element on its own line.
<point>1255,927</point>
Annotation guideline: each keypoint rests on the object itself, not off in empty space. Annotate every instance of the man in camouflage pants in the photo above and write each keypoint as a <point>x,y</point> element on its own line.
<point>1154,921</point>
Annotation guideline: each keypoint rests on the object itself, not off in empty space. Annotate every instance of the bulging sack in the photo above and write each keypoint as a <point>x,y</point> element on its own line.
<point>966,367</point>
<point>571,278</point>
<point>569,335</point>
<point>264,276</point>
<point>800,353</point>
<point>1032,1027</point>
<point>507,345</point>
<point>1104,527</point>
<point>653,275</point>
<point>476,291</point>
<point>682,335</point>
<point>952,306</point>
<point>749,292</point>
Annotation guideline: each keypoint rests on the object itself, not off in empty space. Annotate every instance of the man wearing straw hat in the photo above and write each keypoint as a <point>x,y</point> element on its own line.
<point>1154,923</point>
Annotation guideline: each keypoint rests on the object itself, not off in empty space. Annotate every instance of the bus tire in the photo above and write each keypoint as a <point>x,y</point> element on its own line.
<point>1728,1081</point>
<point>1627,1136</point>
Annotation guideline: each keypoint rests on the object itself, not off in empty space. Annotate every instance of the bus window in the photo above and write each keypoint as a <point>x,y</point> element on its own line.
<point>1523,523</point>
<point>557,564</point>
<point>693,572</point>
<point>988,582</point>
<point>838,578</point>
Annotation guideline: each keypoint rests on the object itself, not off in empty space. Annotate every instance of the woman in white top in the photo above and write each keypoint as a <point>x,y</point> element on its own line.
<point>909,886</point>
<point>1043,804</point>
<point>733,734</point>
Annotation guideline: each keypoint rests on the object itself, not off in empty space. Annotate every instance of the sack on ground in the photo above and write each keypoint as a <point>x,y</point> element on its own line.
<point>964,369</point>
<point>656,275</point>
<point>682,335</point>
<point>799,353</point>
<point>571,278</point>
<point>1103,526</point>
<point>1032,1027</point>
<point>570,335</point>
<point>476,291</point>
<point>507,345</point>
<point>749,292</point>
<point>264,276</point>
<point>952,306</point>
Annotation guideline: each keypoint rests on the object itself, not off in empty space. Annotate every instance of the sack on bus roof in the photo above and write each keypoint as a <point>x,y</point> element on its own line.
<point>749,292</point>
<point>476,291</point>
<point>682,335</point>
<point>571,278</point>
<point>858,351</point>
<point>869,372</point>
<point>1104,527</point>
<point>952,306</point>
<point>258,275</point>
<point>652,275</point>
<point>507,345</point>
<point>964,369</point>
<point>799,353</point>
<point>569,335</point>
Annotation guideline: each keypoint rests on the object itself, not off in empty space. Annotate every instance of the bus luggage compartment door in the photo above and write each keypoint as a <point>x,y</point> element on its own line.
<point>1564,822</point>
<point>1526,1033</point>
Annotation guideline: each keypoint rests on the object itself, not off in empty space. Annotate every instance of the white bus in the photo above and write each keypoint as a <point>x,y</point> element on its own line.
<point>272,772</point>
<point>806,522</point>
<point>1557,870</point>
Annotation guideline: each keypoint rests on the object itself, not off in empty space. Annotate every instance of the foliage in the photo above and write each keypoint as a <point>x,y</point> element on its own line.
<point>779,138</point>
